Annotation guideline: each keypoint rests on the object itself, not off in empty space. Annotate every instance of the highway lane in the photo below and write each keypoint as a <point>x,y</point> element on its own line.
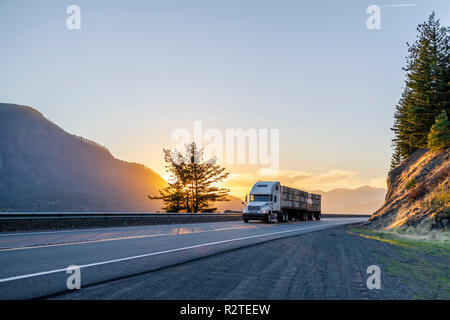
<point>328,264</point>
<point>33,264</point>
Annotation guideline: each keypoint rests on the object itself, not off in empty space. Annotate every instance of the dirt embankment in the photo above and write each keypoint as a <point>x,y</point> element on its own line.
<point>418,193</point>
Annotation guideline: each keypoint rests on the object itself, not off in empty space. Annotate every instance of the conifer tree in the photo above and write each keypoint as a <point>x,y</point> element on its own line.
<point>194,183</point>
<point>439,136</point>
<point>396,157</point>
<point>427,91</point>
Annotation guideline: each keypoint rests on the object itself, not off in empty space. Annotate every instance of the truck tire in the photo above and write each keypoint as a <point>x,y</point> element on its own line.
<point>280,217</point>
<point>268,218</point>
<point>317,216</point>
<point>245,220</point>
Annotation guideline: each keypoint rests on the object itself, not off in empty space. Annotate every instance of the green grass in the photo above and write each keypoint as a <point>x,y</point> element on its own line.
<point>429,241</point>
<point>421,262</point>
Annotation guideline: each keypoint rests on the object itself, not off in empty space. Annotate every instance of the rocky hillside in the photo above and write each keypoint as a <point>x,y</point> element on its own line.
<point>418,192</point>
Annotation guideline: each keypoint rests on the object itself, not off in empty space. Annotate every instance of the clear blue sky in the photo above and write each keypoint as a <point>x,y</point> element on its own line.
<point>137,70</point>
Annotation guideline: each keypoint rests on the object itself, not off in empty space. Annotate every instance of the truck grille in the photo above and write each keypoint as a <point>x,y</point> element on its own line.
<point>253,208</point>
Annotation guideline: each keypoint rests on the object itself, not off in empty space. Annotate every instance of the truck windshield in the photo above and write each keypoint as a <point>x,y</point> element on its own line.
<point>260,198</point>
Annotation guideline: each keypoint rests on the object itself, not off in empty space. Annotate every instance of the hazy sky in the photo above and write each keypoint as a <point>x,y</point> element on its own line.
<point>138,70</point>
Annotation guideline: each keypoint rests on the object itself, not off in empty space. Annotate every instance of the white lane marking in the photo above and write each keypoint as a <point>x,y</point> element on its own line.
<point>108,229</point>
<point>135,237</point>
<point>138,227</point>
<point>31,275</point>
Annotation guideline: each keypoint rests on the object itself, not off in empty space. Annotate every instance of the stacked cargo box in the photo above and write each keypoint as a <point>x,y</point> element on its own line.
<point>293,198</point>
<point>316,200</point>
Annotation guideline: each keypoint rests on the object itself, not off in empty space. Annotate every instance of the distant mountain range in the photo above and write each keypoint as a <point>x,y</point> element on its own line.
<point>363,200</point>
<point>44,168</point>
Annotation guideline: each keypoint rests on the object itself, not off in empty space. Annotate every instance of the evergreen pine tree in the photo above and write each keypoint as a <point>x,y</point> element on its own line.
<point>194,183</point>
<point>439,136</point>
<point>427,91</point>
<point>396,157</point>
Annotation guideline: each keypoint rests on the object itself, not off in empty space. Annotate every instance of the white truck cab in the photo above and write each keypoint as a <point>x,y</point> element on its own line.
<point>264,202</point>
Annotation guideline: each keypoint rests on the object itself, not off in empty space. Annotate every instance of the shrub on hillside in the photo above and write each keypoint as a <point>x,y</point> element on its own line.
<point>441,175</point>
<point>441,205</point>
<point>439,136</point>
<point>417,191</point>
<point>411,183</point>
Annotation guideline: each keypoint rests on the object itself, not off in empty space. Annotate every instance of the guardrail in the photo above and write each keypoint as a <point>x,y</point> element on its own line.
<point>78,220</point>
<point>26,221</point>
<point>345,215</point>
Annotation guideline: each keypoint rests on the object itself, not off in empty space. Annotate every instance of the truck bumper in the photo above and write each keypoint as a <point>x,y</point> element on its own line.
<point>255,216</point>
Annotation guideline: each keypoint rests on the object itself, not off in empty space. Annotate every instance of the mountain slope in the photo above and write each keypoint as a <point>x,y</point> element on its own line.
<point>363,200</point>
<point>42,168</point>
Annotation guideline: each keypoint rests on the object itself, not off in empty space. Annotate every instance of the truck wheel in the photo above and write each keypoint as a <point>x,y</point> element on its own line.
<point>268,218</point>
<point>246,220</point>
<point>317,216</point>
<point>280,217</point>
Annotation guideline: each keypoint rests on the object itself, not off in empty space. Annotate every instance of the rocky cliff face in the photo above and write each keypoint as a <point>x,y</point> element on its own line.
<point>418,192</point>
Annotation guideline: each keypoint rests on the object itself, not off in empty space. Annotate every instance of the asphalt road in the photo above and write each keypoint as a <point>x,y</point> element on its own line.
<point>34,264</point>
<point>328,264</point>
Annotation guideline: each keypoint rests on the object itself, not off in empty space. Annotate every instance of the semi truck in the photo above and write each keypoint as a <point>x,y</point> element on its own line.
<point>270,201</point>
